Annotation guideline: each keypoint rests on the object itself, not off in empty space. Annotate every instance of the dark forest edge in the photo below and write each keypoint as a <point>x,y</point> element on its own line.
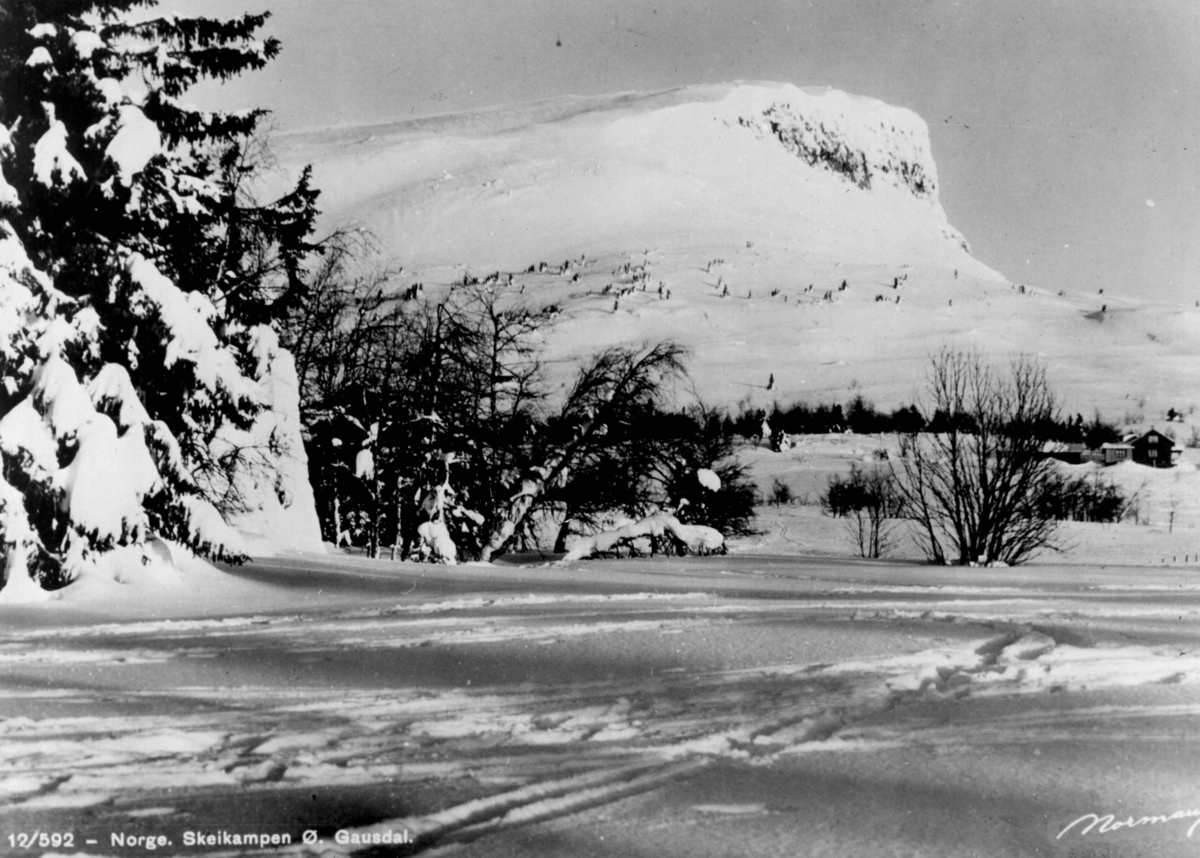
<point>861,417</point>
<point>433,431</point>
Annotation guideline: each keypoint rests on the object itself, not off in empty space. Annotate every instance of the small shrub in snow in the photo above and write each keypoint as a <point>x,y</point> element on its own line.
<point>1079,499</point>
<point>863,488</point>
<point>867,499</point>
<point>781,493</point>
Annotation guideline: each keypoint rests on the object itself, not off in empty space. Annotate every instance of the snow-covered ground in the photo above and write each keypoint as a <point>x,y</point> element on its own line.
<point>748,704</point>
<point>1164,531</point>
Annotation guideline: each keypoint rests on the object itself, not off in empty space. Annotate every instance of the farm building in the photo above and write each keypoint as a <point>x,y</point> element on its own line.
<point>1113,453</point>
<point>1072,454</point>
<point>1153,449</point>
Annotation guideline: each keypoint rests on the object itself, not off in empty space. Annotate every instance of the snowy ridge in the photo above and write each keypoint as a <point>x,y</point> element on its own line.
<point>632,168</point>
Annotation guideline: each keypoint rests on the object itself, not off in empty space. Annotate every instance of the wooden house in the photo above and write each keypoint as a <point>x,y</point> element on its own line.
<point>1155,450</point>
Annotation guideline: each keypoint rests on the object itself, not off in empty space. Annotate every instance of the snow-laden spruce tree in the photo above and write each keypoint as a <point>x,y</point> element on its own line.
<point>138,283</point>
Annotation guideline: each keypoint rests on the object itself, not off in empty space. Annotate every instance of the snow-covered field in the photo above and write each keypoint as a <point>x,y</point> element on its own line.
<point>749,704</point>
<point>1166,530</point>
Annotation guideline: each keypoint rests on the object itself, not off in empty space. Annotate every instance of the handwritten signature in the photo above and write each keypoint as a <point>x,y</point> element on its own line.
<point>1109,823</point>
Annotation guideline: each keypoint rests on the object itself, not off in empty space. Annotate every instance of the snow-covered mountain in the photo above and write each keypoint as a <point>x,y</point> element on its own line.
<point>730,216</point>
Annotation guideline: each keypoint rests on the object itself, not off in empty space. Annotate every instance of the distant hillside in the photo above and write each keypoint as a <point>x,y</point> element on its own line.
<point>729,217</point>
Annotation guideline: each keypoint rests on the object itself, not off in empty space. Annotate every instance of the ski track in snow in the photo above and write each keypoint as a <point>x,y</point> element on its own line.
<point>546,749</point>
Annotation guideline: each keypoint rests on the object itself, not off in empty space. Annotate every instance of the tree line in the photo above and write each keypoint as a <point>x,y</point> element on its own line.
<point>860,416</point>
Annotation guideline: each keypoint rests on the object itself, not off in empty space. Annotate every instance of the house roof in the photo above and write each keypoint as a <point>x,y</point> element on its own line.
<point>1158,434</point>
<point>1063,447</point>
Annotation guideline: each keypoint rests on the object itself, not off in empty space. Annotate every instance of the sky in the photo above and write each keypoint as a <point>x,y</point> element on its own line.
<point>1066,134</point>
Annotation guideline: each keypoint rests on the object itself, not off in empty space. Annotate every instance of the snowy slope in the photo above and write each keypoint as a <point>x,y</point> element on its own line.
<point>795,191</point>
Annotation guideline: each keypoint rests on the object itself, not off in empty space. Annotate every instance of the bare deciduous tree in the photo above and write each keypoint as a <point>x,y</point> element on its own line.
<point>612,388</point>
<point>972,488</point>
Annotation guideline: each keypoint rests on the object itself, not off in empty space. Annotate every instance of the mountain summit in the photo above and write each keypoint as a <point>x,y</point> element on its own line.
<point>696,166</point>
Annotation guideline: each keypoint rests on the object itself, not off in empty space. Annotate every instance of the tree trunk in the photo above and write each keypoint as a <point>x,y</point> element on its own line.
<point>522,503</point>
<point>560,541</point>
<point>398,539</point>
<point>373,533</point>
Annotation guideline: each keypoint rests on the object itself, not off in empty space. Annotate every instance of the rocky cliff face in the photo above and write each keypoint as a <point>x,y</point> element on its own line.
<point>884,153</point>
<point>861,140</point>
